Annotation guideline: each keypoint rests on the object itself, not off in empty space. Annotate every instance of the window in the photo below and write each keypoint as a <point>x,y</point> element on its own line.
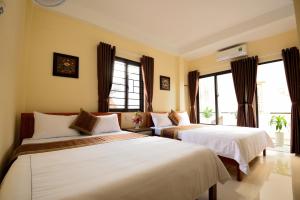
<point>217,100</point>
<point>127,89</point>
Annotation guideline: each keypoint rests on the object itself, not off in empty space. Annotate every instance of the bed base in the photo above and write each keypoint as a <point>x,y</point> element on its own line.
<point>239,173</point>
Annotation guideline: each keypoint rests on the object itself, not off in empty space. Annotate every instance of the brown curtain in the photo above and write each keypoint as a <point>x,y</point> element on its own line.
<point>292,72</point>
<point>147,64</point>
<point>105,67</point>
<point>244,77</point>
<point>193,78</point>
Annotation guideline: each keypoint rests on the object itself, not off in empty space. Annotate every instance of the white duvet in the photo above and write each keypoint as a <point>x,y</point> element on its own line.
<point>143,168</point>
<point>239,143</point>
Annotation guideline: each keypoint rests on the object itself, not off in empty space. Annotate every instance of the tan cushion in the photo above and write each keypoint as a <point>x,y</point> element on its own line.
<point>85,122</point>
<point>174,117</point>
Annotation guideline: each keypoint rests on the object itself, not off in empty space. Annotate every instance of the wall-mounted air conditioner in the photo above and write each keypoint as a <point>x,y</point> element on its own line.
<point>232,52</point>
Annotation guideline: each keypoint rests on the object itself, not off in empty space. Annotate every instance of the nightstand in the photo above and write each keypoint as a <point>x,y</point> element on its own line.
<point>144,131</point>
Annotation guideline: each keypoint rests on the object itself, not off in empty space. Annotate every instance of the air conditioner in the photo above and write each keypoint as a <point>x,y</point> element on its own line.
<point>232,52</point>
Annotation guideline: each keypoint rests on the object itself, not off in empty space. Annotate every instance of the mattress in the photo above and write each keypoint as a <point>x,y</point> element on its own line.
<point>142,168</point>
<point>241,144</point>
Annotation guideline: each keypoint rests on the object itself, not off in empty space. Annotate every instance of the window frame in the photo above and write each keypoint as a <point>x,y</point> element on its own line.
<point>216,95</point>
<point>256,96</point>
<point>130,62</point>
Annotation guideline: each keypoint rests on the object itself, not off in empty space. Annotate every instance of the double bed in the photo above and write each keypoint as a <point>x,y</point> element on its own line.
<point>235,145</point>
<point>118,165</point>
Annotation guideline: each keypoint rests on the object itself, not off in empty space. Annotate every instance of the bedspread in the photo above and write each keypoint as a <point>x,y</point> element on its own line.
<point>143,168</point>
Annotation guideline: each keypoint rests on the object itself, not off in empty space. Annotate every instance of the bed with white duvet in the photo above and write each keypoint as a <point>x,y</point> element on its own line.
<point>139,168</point>
<point>241,144</point>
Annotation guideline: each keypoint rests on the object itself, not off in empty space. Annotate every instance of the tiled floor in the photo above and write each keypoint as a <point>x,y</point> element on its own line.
<point>275,177</point>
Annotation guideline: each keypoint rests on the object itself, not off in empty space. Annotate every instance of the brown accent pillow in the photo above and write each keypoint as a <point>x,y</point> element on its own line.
<point>85,122</point>
<point>174,117</point>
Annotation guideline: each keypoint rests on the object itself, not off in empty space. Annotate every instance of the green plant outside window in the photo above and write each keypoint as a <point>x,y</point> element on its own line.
<point>279,122</point>
<point>207,113</point>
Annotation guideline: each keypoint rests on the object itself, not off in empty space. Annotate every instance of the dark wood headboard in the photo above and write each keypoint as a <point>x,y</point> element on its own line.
<point>27,122</point>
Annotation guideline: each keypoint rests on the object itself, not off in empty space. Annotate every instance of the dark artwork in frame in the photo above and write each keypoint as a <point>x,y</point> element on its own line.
<point>164,83</point>
<point>65,65</point>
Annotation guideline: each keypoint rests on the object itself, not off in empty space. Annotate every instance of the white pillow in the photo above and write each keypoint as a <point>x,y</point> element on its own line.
<point>50,126</point>
<point>161,119</point>
<point>185,120</point>
<point>107,123</point>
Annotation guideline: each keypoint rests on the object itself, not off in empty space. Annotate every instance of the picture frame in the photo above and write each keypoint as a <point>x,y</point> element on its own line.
<point>165,83</point>
<point>65,65</point>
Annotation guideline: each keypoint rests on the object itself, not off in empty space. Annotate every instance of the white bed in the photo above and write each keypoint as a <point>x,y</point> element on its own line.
<point>142,168</point>
<point>241,144</point>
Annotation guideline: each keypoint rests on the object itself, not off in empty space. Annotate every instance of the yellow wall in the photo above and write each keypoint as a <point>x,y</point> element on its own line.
<point>11,66</point>
<point>54,32</point>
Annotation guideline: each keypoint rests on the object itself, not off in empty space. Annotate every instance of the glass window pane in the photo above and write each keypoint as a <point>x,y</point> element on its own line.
<point>134,76</point>
<point>116,94</point>
<point>133,107</point>
<point>207,100</point>
<point>133,69</point>
<point>116,107</point>
<point>136,83</point>
<point>227,103</point>
<point>116,102</point>
<point>136,90</point>
<point>116,87</point>
<point>130,85</point>
<point>119,74</point>
<point>120,66</point>
<point>133,102</point>
<point>119,80</point>
<point>134,96</point>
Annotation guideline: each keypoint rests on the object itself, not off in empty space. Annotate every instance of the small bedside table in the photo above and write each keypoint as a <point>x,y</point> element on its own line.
<point>144,131</point>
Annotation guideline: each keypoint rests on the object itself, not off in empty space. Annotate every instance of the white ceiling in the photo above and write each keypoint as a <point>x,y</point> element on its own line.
<point>191,28</point>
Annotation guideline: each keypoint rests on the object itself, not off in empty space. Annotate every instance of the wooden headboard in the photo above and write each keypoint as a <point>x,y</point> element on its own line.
<point>27,122</point>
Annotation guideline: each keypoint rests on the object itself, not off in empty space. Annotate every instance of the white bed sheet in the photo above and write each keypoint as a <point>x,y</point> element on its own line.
<point>239,143</point>
<point>143,168</point>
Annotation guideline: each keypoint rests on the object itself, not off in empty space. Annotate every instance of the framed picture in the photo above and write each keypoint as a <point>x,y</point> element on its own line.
<point>65,65</point>
<point>164,83</point>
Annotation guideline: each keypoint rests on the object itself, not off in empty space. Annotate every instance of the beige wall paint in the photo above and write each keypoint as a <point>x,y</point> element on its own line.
<point>11,68</point>
<point>266,49</point>
<point>54,32</point>
<point>297,14</point>
<point>181,83</point>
